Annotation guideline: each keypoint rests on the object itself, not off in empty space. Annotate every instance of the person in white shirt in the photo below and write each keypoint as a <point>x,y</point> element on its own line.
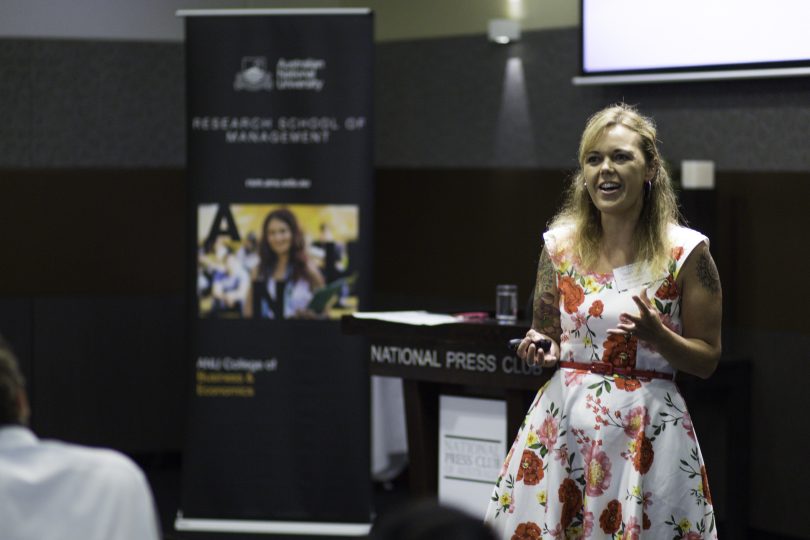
<point>51,490</point>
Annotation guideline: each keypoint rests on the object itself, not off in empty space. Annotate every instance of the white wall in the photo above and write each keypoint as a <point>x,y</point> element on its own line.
<point>155,20</point>
<point>150,20</point>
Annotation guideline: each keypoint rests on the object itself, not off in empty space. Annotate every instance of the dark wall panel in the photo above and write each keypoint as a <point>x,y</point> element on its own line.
<point>452,103</point>
<point>92,231</point>
<point>92,300</point>
<point>458,102</point>
<point>17,327</point>
<point>103,370</point>
<point>445,238</point>
<point>73,103</point>
<point>110,371</point>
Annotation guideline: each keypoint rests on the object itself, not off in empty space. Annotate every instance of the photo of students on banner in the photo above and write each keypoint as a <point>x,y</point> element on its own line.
<point>271,261</point>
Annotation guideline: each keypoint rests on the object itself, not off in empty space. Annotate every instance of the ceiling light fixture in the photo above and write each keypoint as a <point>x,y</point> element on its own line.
<point>503,31</point>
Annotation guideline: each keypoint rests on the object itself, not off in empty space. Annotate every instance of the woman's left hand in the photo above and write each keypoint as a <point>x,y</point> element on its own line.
<point>646,325</point>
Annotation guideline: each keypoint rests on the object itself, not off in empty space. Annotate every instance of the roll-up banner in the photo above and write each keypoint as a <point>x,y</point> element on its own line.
<point>279,106</point>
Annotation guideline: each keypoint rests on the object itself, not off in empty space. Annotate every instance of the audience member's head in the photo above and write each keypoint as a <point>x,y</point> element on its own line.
<point>13,400</point>
<point>428,520</point>
<point>52,489</point>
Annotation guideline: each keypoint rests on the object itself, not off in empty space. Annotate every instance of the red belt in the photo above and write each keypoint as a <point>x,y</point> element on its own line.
<point>604,368</point>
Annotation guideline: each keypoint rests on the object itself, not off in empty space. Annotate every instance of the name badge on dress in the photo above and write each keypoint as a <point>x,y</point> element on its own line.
<point>632,276</point>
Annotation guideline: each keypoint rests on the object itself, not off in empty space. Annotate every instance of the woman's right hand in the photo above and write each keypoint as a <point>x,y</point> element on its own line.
<point>534,355</point>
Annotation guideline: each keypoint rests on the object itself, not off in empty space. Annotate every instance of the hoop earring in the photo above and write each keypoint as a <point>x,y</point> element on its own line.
<point>647,188</point>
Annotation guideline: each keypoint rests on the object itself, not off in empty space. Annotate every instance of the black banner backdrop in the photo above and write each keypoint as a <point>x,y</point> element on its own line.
<point>280,171</point>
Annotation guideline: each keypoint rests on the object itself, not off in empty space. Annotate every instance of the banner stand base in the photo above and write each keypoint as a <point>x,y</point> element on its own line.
<point>271,527</point>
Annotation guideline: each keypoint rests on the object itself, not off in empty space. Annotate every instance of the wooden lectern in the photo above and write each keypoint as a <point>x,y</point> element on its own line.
<point>465,358</point>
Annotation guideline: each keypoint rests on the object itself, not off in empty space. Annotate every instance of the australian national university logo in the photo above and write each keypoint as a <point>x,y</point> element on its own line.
<point>290,74</point>
<point>254,75</point>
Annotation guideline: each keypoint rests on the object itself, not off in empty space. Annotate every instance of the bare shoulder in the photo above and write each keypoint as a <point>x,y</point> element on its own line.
<point>700,271</point>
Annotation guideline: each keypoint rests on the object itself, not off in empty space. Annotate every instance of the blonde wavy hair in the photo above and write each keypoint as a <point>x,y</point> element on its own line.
<point>660,204</point>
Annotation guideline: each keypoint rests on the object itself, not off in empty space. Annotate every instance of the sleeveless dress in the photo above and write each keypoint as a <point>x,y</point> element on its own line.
<point>606,456</point>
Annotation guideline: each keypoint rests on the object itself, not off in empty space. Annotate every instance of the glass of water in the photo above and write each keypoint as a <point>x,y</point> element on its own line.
<point>506,304</point>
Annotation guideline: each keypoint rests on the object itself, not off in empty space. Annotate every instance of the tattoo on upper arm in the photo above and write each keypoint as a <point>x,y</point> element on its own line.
<point>707,273</point>
<point>546,299</point>
<point>546,275</point>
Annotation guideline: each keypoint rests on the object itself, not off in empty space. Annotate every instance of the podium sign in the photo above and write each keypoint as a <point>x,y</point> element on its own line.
<point>472,446</point>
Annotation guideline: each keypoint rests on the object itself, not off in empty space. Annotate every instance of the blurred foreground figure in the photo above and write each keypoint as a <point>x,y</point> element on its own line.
<point>427,520</point>
<point>51,490</point>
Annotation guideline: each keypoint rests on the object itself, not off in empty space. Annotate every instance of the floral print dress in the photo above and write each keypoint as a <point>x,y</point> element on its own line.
<point>606,456</point>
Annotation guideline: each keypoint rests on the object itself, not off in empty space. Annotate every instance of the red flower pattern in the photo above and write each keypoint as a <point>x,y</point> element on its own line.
<point>527,531</point>
<point>644,454</point>
<point>687,425</point>
<point>588,464</point>
<point>668,289</point>
<point>571,498</point>
<point>597,469</point>
<point>611,518</point>
<point>704,478</point>
<point>627,384</point>
<point>574,376</point>
<point>572,294</point>
<point>548,432</point>
<point>631,530</point>
<point>635,421</point>
<point>530,469</point>
<point>620,350</point>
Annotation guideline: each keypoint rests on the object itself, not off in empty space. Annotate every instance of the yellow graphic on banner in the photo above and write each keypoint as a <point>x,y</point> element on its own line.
<point>274,261</point>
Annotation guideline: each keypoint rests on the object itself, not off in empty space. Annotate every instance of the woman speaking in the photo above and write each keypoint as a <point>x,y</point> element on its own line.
<point>627,297</point>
